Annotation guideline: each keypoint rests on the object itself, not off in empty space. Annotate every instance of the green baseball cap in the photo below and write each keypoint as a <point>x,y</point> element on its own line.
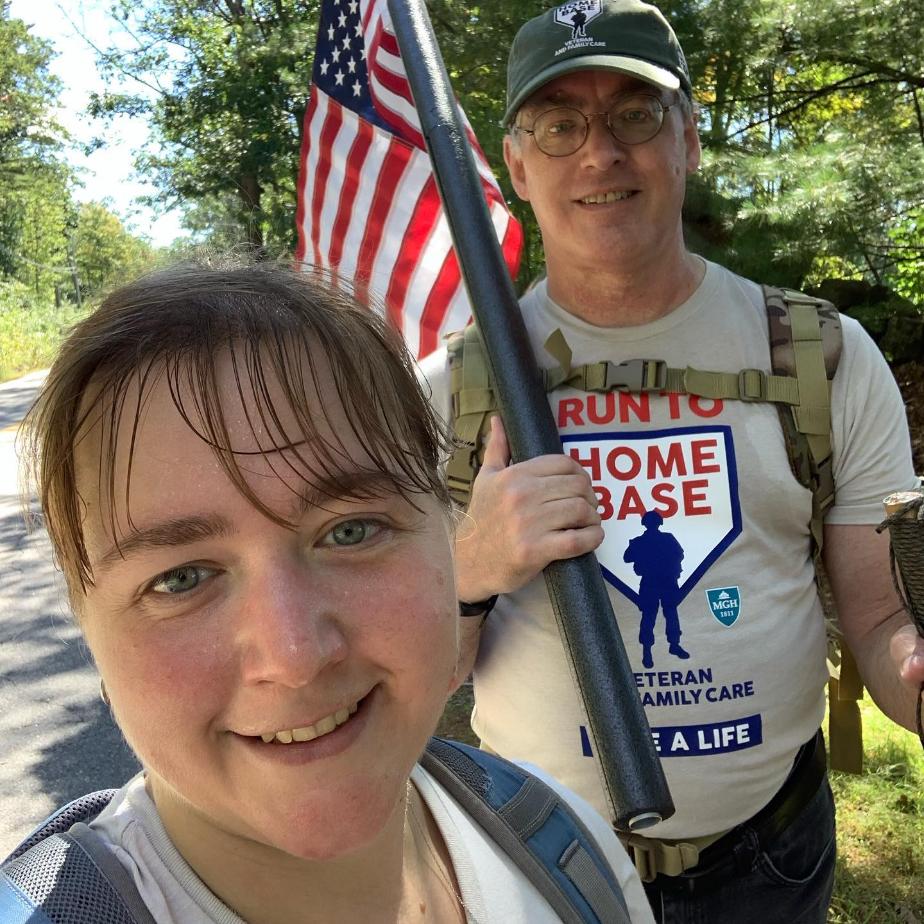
<point>618,35</point>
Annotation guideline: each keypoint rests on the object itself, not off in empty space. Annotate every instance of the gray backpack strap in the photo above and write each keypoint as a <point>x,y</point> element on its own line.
<point>69,875</point>
<point>563,861</point>
<point>113,872</point>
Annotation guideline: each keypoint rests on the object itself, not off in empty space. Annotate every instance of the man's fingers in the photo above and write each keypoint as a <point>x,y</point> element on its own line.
<point>497,451</point>
<point>908,652</point>
<point>569,513</point>
<point>569,543</point>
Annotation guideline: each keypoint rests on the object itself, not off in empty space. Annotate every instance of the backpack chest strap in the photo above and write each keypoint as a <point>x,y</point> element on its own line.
<point>641,375</point>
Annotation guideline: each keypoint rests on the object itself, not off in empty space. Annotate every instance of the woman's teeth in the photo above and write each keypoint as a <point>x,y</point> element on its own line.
<point>322,727</point>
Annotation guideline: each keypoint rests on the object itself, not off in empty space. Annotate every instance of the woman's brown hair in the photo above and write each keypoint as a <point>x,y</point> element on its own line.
<point>281,326</point>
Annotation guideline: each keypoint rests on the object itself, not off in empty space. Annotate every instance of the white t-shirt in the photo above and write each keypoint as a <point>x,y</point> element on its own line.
<point>493,890</point>
<point>727,721</point>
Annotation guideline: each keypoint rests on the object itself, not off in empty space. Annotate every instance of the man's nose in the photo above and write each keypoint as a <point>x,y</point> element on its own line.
<point>601,148</point>
<point>290,629</point>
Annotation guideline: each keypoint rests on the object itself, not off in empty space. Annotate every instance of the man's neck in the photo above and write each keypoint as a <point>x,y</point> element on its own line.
<point>624,296</point>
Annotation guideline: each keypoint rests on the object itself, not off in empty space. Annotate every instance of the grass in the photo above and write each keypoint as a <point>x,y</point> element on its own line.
<point>880,829</point>
<point>30,329</point>
<point>880,821</point>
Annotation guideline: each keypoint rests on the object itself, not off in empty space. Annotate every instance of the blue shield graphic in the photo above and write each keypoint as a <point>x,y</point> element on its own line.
<point>724,604</point>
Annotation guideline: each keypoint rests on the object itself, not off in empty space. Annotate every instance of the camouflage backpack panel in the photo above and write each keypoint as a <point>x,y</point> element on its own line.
<point>473,404</point>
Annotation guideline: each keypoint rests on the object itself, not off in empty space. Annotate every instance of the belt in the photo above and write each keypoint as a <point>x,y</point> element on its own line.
<point>699,864</point>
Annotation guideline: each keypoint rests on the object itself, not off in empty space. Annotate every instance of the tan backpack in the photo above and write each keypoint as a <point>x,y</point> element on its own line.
<point>805,348</point>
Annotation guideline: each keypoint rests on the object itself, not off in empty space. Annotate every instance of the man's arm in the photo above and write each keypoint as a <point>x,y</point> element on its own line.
<point>887,648</point>
<point>520,518</point>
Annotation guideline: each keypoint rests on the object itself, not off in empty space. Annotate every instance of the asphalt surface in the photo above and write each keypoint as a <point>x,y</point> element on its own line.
<point>57,740</point>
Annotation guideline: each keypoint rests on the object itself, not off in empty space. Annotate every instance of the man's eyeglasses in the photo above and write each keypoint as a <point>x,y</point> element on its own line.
<point>562,131</point>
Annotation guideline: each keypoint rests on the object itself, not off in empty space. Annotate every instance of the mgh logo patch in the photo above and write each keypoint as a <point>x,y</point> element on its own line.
<point>724,604</point>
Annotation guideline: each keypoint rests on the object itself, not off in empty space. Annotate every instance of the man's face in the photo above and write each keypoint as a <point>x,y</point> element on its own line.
<point>217,626</point>
<point>643,184</point>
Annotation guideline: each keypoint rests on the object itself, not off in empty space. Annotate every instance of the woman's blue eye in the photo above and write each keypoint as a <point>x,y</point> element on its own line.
<point>352,532</point>
<point>181,580</point>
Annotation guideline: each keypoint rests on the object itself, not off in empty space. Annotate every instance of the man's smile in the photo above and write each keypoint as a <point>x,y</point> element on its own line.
<point>604,198</point>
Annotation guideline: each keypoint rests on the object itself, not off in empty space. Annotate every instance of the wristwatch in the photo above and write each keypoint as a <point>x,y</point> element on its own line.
<point>478,608</point>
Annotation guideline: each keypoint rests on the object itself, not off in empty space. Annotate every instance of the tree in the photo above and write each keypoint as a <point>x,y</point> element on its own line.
<point>104,252</point>
<point>814,138</point>
<point>226,85</point>
<point>27,93</point>
<point>32,176</point>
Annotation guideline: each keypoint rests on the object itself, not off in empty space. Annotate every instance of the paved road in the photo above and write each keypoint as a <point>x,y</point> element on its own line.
<point>57,740</point>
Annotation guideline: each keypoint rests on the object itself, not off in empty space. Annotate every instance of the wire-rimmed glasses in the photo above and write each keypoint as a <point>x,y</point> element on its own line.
<point>563,130</point>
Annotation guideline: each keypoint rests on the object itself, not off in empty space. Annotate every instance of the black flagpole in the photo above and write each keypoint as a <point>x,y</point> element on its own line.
<point>629,764</point>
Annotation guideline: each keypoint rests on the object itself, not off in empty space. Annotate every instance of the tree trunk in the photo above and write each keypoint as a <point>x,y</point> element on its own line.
<point>250,192</point>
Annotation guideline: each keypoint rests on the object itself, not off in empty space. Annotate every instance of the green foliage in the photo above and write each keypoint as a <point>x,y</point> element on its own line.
<point>814,137</point>
<point>53,252</point>
<point>27,91</point>
<point>104,253</point>
<point>812,120</point>
<point>880,834</point>
<point>30,329</point>
<point>226,86</point>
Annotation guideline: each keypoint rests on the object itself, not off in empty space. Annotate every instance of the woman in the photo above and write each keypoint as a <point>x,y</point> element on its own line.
<point>241,480</point>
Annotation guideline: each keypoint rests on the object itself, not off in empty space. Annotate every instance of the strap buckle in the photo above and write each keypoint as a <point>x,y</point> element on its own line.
<point>656,857</point>
<point>637,375</point>
<point>752,385</point>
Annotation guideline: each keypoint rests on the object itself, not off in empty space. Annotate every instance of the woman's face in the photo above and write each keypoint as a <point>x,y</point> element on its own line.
<point>215,629</point>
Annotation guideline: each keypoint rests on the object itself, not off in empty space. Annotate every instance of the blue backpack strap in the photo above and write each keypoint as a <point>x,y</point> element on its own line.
<point>535,828</point>
<point>63,873</point>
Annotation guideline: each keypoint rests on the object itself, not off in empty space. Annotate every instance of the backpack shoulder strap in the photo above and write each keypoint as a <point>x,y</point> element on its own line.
<point>806,341</point>
<point>472,403</point>
<point>535,828</point>
<point>69,876</point>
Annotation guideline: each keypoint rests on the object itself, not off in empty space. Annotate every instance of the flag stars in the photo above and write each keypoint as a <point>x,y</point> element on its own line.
<point>357,88</point>
<point>342,21</point>
<point>335,55</point>
<point>330,33</point>
<point>353,6</point>
<point>346,42</point>
<point>351,64</point>
<point>325,67</point>
<point>339,78</point>
<point>358,28</point>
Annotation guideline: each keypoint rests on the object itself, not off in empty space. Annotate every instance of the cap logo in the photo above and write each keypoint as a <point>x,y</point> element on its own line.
<point>576,14</point>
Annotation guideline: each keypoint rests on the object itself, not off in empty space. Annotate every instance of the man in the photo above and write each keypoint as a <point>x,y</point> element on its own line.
<point>601,137</point>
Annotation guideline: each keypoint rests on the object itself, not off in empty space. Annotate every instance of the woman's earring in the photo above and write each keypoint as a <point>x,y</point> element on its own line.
<point>103,694</point>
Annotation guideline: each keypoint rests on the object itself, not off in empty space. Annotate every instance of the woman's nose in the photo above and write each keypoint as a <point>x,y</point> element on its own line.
<point>290,631</point>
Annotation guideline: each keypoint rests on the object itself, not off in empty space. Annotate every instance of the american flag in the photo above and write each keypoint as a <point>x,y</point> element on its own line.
<point>368,206</point>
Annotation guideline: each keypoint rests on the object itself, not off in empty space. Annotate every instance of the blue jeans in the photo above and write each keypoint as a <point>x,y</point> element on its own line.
<point>786,882</point>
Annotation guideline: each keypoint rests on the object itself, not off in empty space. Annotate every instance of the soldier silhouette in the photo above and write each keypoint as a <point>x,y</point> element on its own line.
<point>656,558</point>
<point>578,21</point>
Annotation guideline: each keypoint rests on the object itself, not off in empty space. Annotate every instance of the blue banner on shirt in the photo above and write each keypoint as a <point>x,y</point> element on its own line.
<point>705,740</point>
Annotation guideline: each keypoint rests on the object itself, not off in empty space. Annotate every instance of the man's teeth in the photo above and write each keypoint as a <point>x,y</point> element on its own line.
<point>322,727</point>
<point>602,198</point>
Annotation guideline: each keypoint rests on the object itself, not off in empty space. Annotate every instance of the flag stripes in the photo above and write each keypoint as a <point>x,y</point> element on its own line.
<point>368,208</point>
